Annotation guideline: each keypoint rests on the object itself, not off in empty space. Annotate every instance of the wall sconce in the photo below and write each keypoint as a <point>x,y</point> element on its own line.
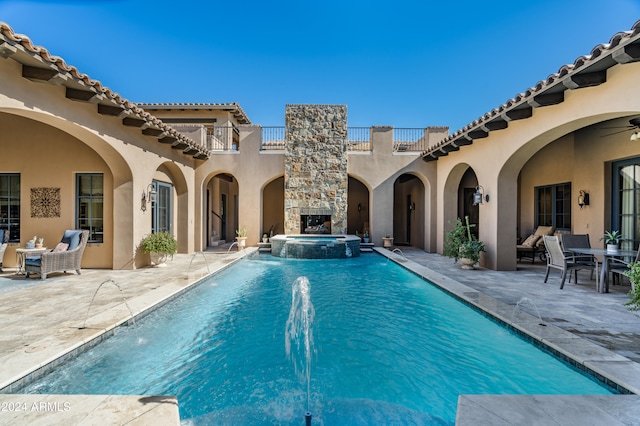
<point>583,199</point>
<point>412,206</point>
<point>359,207</point>
<point>148,196</point>
<point>635,136</point>
<point>479,195</point>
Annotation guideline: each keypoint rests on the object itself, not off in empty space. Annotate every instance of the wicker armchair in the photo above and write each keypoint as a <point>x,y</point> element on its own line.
<point>55,260</point>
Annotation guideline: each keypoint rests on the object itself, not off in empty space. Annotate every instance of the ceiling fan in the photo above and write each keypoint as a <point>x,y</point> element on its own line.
<point>634,124</point>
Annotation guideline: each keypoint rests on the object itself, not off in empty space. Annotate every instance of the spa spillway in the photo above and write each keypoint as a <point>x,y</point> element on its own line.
<point>311,246</point>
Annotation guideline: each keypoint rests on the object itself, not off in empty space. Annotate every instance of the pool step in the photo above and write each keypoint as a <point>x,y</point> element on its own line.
<point>366,247</point>
<point>264,247</point>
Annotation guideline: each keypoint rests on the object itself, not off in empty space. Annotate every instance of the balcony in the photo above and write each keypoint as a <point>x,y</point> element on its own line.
<point>358,139</point>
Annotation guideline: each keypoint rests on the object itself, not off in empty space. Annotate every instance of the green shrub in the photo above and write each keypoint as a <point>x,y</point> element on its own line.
<point>159,242</point>
<point>460,243</point>
<point>634,276</point>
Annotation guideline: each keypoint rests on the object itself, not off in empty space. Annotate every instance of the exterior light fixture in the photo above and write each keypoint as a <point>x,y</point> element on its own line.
<point>583,198</point>
<point>635,136</point>
<point>479,195</point>
<point>359,207</point>
<point>149,195</point>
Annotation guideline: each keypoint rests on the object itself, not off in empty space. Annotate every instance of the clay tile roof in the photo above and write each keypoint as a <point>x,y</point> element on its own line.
<point>7,35</point>
<point>232,107</point>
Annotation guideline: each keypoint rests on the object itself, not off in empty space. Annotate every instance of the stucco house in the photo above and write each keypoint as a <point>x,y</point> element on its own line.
<point>76,154</point>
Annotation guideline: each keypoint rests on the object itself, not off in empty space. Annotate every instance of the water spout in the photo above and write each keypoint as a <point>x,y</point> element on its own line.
<point>203,256</point>
<point>397,250</point>
<point>231,246</point>
<point>299,334</point>
<point>124,300</point>
<point>523,301</point>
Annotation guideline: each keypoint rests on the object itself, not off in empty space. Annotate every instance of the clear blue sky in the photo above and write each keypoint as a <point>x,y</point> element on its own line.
<point>406,63</point>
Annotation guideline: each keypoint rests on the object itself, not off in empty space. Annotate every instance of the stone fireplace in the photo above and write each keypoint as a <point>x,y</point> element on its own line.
<point>315,179</point>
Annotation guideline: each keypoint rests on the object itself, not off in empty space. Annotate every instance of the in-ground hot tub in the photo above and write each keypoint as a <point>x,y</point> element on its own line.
<point>310,246</point>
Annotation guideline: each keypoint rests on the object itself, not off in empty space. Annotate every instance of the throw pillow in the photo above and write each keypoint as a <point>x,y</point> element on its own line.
<point>531,240</point>
<point>61,247</point>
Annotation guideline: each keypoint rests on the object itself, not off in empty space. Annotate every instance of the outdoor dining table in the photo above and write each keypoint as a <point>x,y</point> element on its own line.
<point>603,282</point>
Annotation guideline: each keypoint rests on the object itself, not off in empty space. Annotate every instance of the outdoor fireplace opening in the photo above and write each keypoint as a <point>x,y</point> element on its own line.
<point>315,224</point>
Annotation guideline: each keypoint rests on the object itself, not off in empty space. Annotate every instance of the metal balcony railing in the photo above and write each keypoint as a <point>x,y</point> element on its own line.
<point>223,138</point>
<point>273,138</point>
<point>409,140</point>
<point>358,139</point>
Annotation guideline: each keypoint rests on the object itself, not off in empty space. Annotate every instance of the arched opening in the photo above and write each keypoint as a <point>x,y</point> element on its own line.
<point>408,211</point>
<point>466,206</point>
<point>273,207</point>
<point>221,209</point>
<point>358,212</point>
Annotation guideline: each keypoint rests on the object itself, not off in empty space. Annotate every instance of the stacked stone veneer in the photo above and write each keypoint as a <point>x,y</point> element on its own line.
<point>315,167</point>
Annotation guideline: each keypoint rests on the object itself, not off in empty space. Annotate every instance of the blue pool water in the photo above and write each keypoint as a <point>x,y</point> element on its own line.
<point>389,348</point>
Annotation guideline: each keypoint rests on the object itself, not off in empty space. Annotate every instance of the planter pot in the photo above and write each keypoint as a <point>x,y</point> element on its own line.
<point>265,240</point>
<point>242,242</point>
<point>366,240</point>
<point>387,242</point>
<point>613,247</point>
<point>159,260</point>
<point>467,263</point>
<point>38,246</point>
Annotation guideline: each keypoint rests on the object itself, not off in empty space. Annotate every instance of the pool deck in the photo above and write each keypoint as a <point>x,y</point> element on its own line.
<point>41,321</point>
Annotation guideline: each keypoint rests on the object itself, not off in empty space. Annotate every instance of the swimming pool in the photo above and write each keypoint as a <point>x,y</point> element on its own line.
<point>389,347</point>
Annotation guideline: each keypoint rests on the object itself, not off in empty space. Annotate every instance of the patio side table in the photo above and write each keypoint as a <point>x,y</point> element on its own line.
<point>22,254</point>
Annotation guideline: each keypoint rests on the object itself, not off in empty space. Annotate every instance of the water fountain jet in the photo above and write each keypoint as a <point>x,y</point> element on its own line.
<point>299,335</point>
<point>124,300</point>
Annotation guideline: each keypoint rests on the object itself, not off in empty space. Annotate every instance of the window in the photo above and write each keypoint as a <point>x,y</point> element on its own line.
<point>10,204</point>
<point>625,197</point>
<point>161,212</point>
<point>553,206</point>
<point>90,205</point>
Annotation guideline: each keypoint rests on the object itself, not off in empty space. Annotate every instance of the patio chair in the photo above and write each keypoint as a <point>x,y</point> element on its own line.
<point>580,241</point>
<point>617,267</point>
<point>4,239</point>
<point>534,244</point>
<point>563,261</point>
<point>65,257</point>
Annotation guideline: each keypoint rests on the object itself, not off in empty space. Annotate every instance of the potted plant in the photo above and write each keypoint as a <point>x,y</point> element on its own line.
<point>365,236</point>
<point>241,237</point>
<point>460,244</point>
<point>387,241</point>
<point>612,239</point>
<point>265,238</point>
<point>160,245</point>
<point>634,276</point>
<point>40,242</point>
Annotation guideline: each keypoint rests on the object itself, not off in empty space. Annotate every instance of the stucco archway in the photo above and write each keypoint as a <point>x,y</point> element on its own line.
<point>358,208</point>
<point>221,203</point>
<point>273,207</point>
<point>409,211</point>
<point>49,140</point>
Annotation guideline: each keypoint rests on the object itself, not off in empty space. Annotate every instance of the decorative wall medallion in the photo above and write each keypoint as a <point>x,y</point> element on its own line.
<point>45,202</point>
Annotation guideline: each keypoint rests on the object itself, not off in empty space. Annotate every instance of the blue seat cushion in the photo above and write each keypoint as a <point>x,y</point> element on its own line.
<point>32,260</point>
<point>71,237</point>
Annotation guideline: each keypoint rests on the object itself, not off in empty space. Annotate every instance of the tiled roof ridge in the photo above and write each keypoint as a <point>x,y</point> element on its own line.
<point>27,44</point>
<point>564,70</point>
<point>235,105</point>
